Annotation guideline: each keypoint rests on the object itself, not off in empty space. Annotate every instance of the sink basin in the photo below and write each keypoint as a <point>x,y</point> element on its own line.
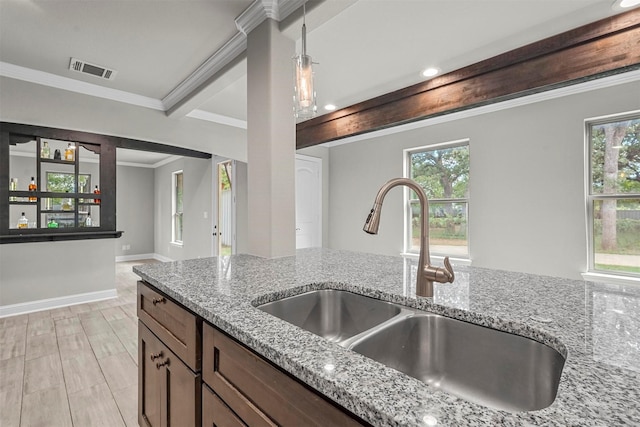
<point>332,314</point>
<point>479,364</point>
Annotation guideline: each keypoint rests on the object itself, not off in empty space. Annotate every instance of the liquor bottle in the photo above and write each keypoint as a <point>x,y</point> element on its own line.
<point>69,153</point>
<point>47,203</point>
<point>96,191</point>
<point>32,187</point>
<point>45,151</point>
<point>87,222</point>
<point>13,186</point>
<point>23,222</point>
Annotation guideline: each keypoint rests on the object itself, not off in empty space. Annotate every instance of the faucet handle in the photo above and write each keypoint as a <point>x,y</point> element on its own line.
<point>448,273</point>
<point>439,274</point>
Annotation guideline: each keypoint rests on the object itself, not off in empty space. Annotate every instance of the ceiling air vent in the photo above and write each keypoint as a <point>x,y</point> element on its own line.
<point>91,69</point>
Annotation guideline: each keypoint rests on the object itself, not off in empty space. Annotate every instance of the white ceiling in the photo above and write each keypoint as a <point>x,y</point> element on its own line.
<point>365,48</point>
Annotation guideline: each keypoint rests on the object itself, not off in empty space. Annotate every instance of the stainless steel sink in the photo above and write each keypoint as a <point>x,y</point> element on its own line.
<point>482,365</point>
<point>332,314</point>
<point>479,364</point>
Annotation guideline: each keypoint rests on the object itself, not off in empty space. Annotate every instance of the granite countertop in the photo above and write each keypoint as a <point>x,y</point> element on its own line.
<point>597,326</point>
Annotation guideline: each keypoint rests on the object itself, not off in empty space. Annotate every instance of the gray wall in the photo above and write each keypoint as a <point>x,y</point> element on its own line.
<point>38,271</point>
<point>197,229</point>
<point>527,189</point>
<point>135,210</point>
<point>242,209</point>
<point>24,102</point>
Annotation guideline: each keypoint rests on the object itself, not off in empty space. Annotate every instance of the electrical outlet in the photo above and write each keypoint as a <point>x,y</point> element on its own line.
<point>205,214</point>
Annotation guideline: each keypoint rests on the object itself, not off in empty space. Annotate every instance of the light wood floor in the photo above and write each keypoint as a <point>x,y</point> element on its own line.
<point>73,366</point>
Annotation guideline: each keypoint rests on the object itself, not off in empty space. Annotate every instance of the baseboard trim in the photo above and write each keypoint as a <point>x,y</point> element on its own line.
<point>138,257</point>
<point>51,303</point>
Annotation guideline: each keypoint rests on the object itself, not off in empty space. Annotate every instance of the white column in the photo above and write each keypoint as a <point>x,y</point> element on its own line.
<point>271,141</point>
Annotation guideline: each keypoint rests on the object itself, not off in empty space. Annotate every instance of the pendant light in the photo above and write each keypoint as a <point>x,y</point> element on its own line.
<point>304,94</point>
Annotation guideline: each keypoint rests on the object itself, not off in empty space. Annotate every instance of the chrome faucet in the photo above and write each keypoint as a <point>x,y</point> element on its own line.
<point>427,274</point>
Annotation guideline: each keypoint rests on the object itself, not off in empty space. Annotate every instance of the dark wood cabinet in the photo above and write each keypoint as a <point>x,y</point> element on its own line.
<point>215,413</point>
<point>168,391</point>
<point>191,373</point>
<point>259,393</point>
<point>177,327</point>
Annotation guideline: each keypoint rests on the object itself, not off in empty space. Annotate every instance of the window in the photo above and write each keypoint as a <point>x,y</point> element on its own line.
<point>177,207</point>
<point>443,172</point>
<point>613,202</point>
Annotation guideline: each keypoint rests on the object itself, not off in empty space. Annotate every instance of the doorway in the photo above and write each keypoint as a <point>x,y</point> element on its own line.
<point>308,202</point>
<point>224,207</point>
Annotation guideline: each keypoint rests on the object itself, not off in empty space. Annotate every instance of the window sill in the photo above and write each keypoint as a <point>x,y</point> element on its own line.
<point>611,278</point>
<point>439,258</point>
<point>55,237</point>
<point>178,244</point>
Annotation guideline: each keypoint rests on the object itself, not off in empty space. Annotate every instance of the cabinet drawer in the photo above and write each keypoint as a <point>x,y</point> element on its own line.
<point>260,393</point>
<point>215,413</point>
<point>175,326</point>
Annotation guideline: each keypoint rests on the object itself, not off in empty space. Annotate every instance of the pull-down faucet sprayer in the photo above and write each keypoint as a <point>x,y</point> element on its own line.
<point>427,274</point>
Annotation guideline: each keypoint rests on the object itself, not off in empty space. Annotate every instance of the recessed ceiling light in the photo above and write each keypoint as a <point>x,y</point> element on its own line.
<point>430,72</point>
<point>625,4</point>
<point>329,107</point>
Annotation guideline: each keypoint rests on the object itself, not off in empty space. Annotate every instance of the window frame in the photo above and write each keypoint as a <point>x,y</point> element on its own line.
<point>407,200</point>
<point>174,210</point>
<point>591,198</point>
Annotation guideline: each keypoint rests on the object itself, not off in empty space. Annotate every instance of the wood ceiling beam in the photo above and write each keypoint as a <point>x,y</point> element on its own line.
<point>595,50</point>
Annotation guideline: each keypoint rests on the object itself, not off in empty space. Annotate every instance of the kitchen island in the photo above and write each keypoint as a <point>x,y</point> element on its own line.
<point>596,326</point>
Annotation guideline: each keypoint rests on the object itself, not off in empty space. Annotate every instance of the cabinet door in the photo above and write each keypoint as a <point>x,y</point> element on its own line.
<point>149,381</point>
<point>180,394</point>
<point>168,391</point>
<point>215,413</point>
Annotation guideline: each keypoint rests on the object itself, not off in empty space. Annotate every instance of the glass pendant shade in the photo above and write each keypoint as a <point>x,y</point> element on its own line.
<point>304,94</point>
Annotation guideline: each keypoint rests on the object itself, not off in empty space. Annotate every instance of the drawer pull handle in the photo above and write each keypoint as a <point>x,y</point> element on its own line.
<point>158,300</point>
<point>161,364</point>
<point>155,356</point>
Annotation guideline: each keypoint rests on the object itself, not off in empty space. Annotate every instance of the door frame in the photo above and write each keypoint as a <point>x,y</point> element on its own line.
<point>215,227</point>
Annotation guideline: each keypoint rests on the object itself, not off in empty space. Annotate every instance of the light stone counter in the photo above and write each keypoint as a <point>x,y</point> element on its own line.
<point>597,326</point>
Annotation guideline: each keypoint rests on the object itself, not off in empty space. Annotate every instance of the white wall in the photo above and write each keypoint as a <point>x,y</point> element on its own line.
<point>135,210</point>
<point>197,199</point>
<point>527,203</point>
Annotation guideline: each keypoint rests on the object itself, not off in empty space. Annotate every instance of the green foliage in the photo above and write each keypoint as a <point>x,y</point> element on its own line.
<point>627,174</point>
<point>627,235</point>
<point>443,174</point>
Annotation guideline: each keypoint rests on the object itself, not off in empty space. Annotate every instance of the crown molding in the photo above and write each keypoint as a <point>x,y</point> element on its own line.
<point>52,80</point>
<point>218,118</point>
<point>223,56</point>
<point>601,83</point>
<point>253,16</point>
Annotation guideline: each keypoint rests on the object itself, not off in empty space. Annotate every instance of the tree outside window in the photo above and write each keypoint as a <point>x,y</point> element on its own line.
<point>614,196</point>
<point>443,173</point>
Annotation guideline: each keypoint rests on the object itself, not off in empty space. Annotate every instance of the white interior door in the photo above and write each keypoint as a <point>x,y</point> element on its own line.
<point>308,202</point>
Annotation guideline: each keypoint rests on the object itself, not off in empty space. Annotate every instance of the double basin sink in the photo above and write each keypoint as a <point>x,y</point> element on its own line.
<point>479,364</point>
